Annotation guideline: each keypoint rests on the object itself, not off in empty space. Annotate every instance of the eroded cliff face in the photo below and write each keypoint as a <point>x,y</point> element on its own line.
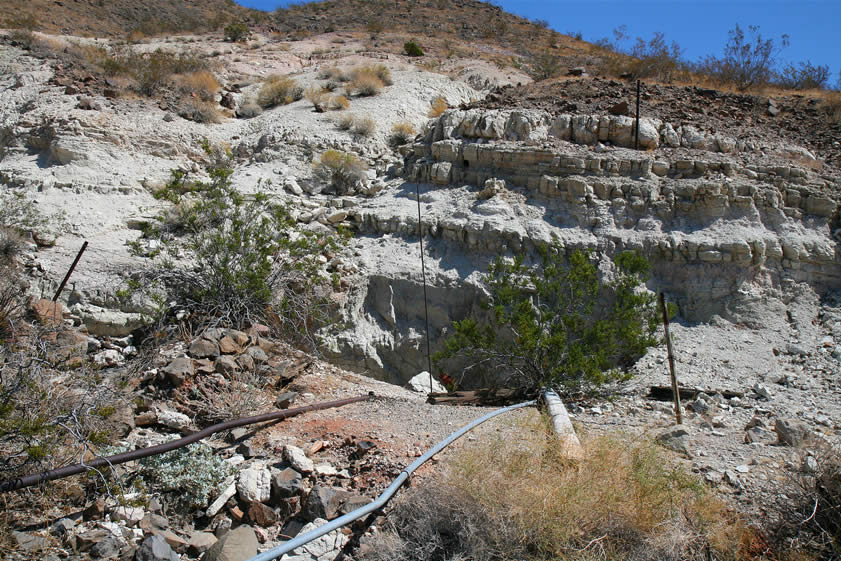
<point>727,226</point>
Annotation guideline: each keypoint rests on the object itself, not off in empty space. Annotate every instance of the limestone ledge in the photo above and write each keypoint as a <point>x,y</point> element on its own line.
<point>533,126</point>
<point>455,161</point>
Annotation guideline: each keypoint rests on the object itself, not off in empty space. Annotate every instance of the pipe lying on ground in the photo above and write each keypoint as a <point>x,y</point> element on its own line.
<point>384,498</point>
<point>29,480</point>
<point>570,445</point>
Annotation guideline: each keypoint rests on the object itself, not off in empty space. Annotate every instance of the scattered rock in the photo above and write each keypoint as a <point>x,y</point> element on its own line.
<point>155,548</point>
<point>262,515</point>
<point>239,544</point>
<point>202,348</point>
<point>254,484</point>
<point>791,432</point>
<point>179,370</point>
<point>421,384</point>
<point>676,440</point>
<point>297,459</point>
<point>287,483</point>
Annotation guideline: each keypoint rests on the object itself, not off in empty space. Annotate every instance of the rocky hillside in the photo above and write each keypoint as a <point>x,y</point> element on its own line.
<point>733,198</point>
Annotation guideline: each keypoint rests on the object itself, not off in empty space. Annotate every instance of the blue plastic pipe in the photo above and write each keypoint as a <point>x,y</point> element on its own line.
<point>386,496</point>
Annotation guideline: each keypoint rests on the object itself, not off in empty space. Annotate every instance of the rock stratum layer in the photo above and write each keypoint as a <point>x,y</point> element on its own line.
<point>725,225</point>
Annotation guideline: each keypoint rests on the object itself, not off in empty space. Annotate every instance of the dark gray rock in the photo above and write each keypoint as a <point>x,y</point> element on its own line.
<point>287,483</point>
<point>106,548</point>
<point>676,440</point>
<point>202,348</point>
<point>325,502</point>
<point>178,370</point>
<point>155,548</point>
<point>284,400</point>
<point>239,544</point>
<point>791,432</point>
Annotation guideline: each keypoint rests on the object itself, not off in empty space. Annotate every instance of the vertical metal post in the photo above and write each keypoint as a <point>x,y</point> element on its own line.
<point>637,126</point>
<point>70,272</point>
<point>423,274</point>
<point>675,388</point>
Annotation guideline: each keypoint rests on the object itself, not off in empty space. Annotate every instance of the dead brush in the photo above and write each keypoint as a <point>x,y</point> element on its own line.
<point>203,84</point>
<point>437,106</point>
<point>218,398</point>
<point>401,133</point>
<point>522,499</point>
<point>366,83</point>
<point>278,90</point>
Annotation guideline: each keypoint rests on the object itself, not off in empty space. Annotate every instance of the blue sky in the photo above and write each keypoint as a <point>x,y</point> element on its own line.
<point>699,27</point>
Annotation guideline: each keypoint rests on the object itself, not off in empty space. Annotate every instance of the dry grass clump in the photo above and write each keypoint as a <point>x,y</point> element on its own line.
<point>278,90</point>
<point>437,106</point>
<point>341,170</point>
<point>339,103</point>
<point>203,84</point>
<point>199,111</point>
<point>319,97</point>
<point>364,126</point>
<point>370,80</point>
<point>401,133</point>
<point>249,109</point>
<point>346,122</point>
<point>523,500</point>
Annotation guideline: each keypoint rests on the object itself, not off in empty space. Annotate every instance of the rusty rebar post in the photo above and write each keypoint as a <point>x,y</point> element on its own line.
<point>675,388</point>
<point>70,271</point>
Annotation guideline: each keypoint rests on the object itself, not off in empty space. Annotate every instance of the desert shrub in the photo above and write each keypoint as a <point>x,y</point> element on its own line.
<point>318,97</point>
<point>374,26</point>
<point>365,126</point>
<point>215,399</point>
<point>339,103</point>
<point>520,498</point>
<point>250,263</point>
<point>381,71</point>
<point>437,106</point>
<point>237,32</point>
<point>188,476</point>
<point>544,65</point>
<point>341,170</point>
<point>333,73</point>
<point>150,71</point>
<point>49,416</point>
<point>655,59</point>
<point>401,133</point>
<point>278,90</point>
<point>20,217</point>
<point>809,518</point>
<point>366,84</point>
<point>12,303</point>
<point>249,109</point>
<point>747,61</point>
<point>805,76</point>
<point>199,111</point>
<point>346,122</point>
<point>412,49</point>
<point>558,323</point>
<point>203,84</point>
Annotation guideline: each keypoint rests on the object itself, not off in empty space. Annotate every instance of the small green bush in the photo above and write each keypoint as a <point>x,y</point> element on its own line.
<point>412,49</point>
<point>237,32</point>
<point>249,262</point>
<point>558,323</point>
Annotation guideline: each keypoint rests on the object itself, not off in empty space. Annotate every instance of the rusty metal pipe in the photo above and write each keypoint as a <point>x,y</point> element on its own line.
<point>66,471</point>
